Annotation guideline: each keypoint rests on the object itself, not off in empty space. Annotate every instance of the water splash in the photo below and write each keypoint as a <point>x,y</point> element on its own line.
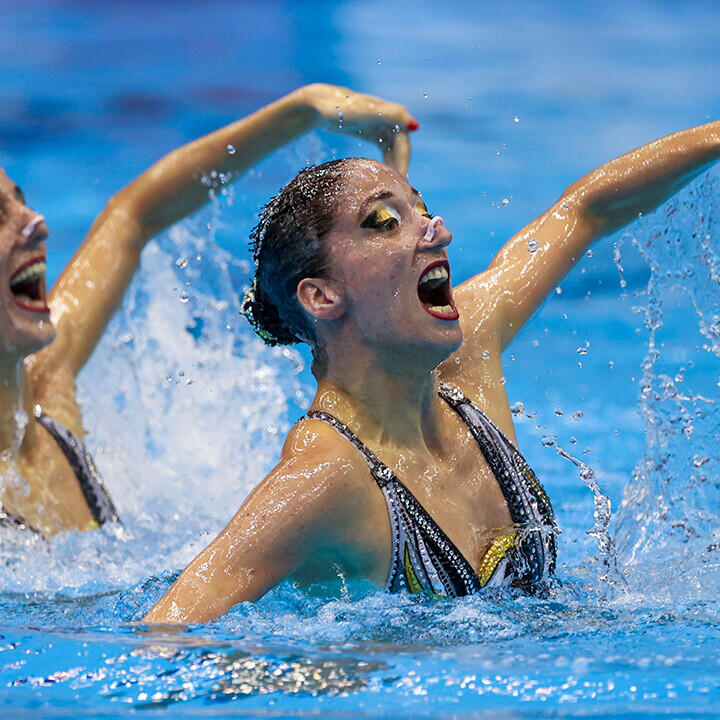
<point>667,530</point>
<point>603,565</point>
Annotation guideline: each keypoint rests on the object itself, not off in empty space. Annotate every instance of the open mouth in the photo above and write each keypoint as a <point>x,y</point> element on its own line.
<point>27,286</point>
<point>434,291</point>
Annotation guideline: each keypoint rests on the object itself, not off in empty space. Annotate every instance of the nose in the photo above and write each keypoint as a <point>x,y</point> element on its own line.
<point>35,229</point>
<point>436,235</point>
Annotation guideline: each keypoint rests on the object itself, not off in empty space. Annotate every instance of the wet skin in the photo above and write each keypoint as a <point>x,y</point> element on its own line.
<point>319,509</point>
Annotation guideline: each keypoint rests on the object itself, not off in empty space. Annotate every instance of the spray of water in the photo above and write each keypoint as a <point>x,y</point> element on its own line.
<point>667,530</point>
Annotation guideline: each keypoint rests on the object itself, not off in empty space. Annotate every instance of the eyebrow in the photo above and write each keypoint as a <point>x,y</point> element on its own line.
<point>382,195</point>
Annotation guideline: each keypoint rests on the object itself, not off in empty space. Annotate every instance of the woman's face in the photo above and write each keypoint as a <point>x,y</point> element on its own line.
<point>25,325</point>
<point>396,284</point>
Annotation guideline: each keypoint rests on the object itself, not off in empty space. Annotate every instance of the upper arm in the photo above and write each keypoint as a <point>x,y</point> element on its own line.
<point>91,287</point>
<point>297,509</point>
<point>527,269</point>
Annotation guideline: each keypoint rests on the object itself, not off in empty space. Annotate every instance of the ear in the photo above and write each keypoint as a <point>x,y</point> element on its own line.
<point>318,297</point>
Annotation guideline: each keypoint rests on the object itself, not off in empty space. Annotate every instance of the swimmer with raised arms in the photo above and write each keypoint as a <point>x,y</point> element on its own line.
<point>46,338</point>
<point>405,470</point>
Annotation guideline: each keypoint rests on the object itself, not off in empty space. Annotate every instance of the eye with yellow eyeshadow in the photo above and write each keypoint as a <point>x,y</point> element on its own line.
<point>422,209</point>
<point>384,219</point>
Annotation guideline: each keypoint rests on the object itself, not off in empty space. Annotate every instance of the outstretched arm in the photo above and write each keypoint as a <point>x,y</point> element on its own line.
<point>91,287</point>
<point>304,506</point>
<point>534,261</point>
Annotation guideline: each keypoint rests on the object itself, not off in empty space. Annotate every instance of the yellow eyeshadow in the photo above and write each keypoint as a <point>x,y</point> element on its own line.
<point>422,208</point>
<point>385,213</point>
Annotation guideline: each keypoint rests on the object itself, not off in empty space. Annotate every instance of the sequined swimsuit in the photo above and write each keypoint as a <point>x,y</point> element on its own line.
<point>425,559</point>
<point>91,483</point>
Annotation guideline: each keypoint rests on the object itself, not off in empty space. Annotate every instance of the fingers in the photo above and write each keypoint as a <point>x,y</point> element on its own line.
<point>396,152</point>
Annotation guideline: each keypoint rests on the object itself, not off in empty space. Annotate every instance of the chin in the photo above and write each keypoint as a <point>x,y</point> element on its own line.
<point>445,350</point>
<point>26,338</point>
<point>437,350</point>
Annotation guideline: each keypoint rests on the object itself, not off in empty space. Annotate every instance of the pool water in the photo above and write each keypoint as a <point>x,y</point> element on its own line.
<point>614,383</point>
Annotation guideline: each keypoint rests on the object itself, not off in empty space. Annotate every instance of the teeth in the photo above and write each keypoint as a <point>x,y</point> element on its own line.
<point>36,269</point>
<point>438,273</point>
<point>442,309</point>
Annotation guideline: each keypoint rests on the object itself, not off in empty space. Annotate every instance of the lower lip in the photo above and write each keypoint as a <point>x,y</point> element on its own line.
<point>44,309</point>
<point>454,315</point>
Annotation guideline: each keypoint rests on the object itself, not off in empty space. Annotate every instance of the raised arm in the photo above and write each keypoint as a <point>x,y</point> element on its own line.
<point>91,287</point>
<point>533,262</point>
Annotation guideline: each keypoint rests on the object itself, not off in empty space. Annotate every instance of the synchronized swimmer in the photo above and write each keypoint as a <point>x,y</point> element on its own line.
<point>405,470</point>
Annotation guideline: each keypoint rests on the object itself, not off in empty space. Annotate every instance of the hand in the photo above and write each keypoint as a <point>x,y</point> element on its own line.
<point>387,124</point>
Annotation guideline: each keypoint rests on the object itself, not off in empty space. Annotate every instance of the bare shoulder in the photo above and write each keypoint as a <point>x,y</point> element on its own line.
<point>317,450</point>
<point>318,483</point>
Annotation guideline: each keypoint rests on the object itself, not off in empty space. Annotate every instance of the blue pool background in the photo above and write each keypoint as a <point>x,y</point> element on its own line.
<point>186,410</point>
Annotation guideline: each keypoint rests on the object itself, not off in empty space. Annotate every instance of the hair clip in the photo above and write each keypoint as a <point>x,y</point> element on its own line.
<point>246,309</point>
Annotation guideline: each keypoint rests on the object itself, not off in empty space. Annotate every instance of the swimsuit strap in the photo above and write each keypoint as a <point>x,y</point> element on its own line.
<point>527,501</point>
<point>14,521</point>
<point>381,472</point>
<point>81,462</point>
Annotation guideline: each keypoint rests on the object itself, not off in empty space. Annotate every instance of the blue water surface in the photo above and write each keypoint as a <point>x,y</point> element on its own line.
<point>186,410</point>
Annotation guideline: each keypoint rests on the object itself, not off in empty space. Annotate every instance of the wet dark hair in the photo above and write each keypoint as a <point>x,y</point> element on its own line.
<point>287,246</point>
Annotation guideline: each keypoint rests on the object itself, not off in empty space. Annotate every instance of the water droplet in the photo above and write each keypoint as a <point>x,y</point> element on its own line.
<point>231,149</point>
<point>548,440</point>
<point>583,349</point>
<point>516,119</point>
<point>379,62</point>
<point>485,354</point>
<point>425,95</point>
<point>699,460</point>
<point>577,415</point>
<point>532,245</point>
<point>573,440</point>
<point>505,201</point>
<point>558,412</point>
<point>558,290</point>
<point>181,263</point>
<point>517,408</point>
<point>184,297</point>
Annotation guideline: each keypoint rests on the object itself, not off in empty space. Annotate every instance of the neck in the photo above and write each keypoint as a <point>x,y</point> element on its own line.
<point>14,400</point>
<point>384,399</point>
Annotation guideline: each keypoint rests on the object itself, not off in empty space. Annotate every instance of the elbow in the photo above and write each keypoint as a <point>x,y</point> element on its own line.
<point>582,210</point>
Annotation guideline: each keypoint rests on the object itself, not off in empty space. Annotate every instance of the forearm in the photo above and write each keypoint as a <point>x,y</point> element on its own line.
<point>174,188</point>
<point>642,179</point>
